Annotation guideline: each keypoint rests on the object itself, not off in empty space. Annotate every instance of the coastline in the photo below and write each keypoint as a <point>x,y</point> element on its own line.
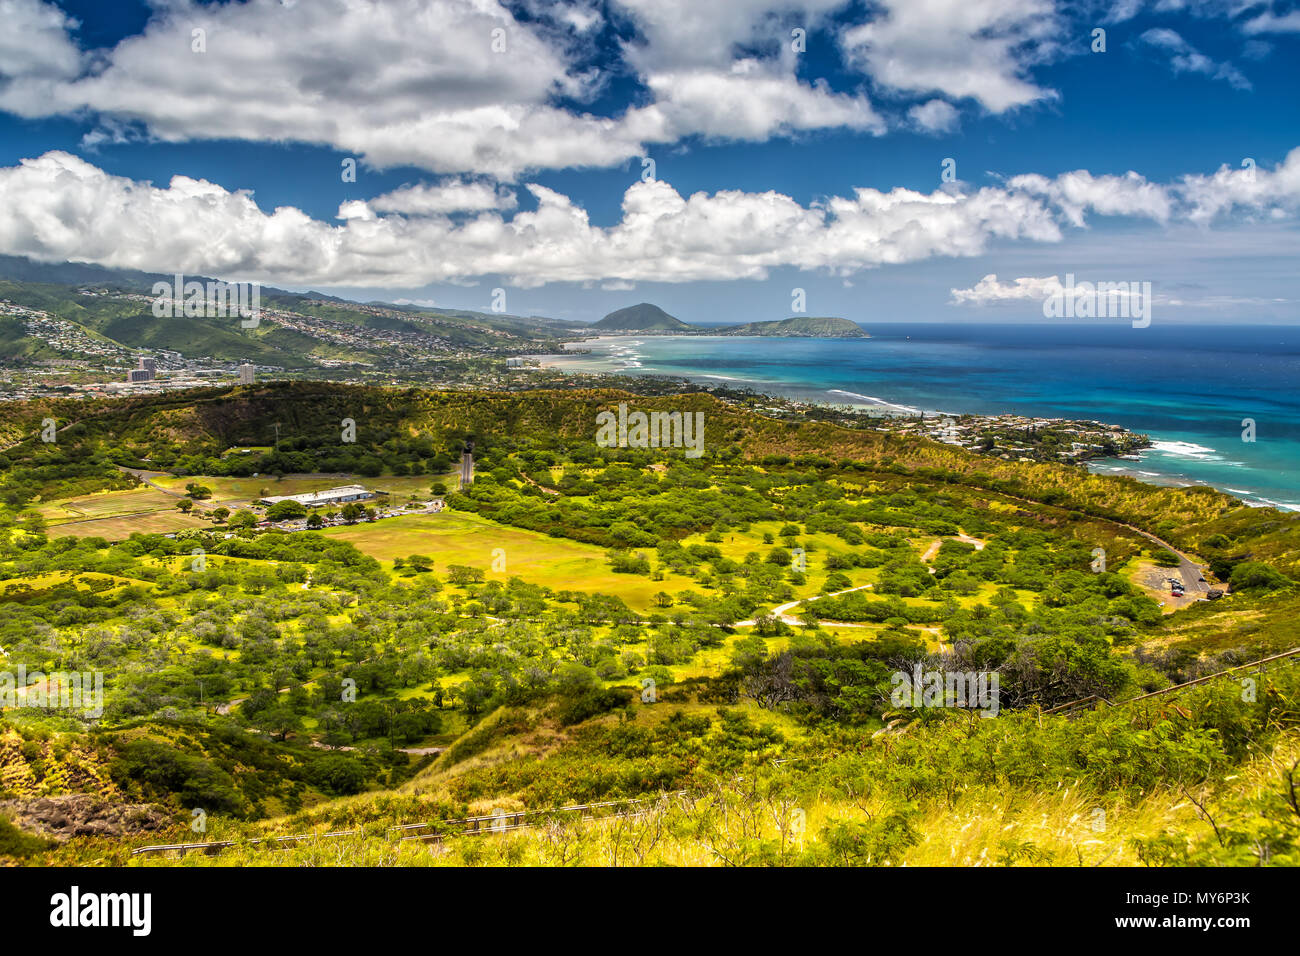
<point>1169,459</point>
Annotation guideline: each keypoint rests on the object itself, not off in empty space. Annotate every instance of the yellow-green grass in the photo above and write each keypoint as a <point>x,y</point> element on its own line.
<point>1065,825</point>
<point>49,579</point>
<point>120,528</point>
<point>1149,577</point>
<point>459,538</point>
<point>111,504</point>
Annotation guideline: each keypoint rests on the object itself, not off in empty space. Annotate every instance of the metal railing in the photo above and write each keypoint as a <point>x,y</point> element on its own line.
<point>502,822</point>
<point>1290,657</point>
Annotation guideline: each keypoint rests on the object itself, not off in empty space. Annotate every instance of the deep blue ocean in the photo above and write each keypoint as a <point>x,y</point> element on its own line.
<point>1188,387</point>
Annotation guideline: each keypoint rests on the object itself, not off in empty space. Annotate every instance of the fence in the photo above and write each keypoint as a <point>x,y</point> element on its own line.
<point>1290,657</point>
<point>501,822</point>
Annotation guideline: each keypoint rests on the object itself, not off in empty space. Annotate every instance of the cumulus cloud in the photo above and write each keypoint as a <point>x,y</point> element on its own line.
<point>457,86</point>
<point>934,116</point>
<point>1273,194</point>
<point>752,101</point>
<point>455,195</point>
<point>58,207</point>
<point>989,290</point>
<point>420,82</point>
<point>35,44</point>
<point>977,49</point>
<point>447,85</point>
<point>1079,192</point>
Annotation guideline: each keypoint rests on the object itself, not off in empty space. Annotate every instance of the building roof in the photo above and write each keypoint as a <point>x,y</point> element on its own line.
<point>322,497</point>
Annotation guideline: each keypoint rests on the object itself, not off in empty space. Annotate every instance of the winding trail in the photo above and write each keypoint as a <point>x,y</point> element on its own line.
<point>781,612</point>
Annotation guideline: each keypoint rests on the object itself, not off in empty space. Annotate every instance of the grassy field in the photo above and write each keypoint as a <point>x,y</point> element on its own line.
<point>110,504</point>
<point>455,538</point>
<point>559,563</point>
<point>116,515</point>
<point>120,528</point>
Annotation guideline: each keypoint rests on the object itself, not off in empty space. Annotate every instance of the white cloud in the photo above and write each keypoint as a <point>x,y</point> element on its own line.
<point>394,81</point>
<point>417,82</point>
<point>57,207</point>
<point>35,45</point>
<point>1184,58</point>
<point>1270,22</point>
<point>981,49</point>
<point>1079,192</point>
<point>1247,188</point>
<point>989,290</point>
<point>456,195</point>
<point>934,116</point>
<point>753,101</point>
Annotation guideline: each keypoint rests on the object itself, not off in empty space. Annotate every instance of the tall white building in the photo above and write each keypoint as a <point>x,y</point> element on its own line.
<point>246,373</point>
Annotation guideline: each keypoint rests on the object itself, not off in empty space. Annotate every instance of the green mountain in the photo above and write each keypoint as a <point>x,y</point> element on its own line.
<point>820,327</point>
<point>643,317</point>
<point>116,307</point>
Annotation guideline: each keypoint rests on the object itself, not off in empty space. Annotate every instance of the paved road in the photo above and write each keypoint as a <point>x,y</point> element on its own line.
<point>144,477</point>
<point>1191,572</point>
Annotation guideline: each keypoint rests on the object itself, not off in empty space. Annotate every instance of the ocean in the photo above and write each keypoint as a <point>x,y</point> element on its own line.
<point>1189,387</point>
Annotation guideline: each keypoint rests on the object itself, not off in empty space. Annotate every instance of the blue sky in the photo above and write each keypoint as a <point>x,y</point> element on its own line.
<point>514,159</point>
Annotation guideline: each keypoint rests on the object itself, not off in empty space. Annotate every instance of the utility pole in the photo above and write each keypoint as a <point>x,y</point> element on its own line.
<point>277,436</point>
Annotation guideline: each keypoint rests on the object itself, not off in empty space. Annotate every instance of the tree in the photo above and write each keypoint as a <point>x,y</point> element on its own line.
<point>280,720</point>
<point>243,519</point>
<point>286,511</point>
<point>351,512</point>
<point>461,574</point>
<point>1256,575</point>
<point>314,520</point>
<point>419,562</point>
<point>220,514</point>
<point>337,774</point>
<point>185,504</point>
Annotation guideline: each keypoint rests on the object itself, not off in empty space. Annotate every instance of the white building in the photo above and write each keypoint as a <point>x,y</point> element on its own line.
<point>246,374</point>
<point>330,496</point>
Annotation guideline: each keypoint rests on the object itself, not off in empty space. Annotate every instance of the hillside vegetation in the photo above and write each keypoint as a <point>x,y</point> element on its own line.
<point>717,637</point>
<point>800,326</point>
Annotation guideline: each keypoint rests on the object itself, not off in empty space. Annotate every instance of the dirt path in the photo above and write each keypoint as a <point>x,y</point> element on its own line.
<point>781,612</point>
<point>961,536</point>
<point>414,751</point>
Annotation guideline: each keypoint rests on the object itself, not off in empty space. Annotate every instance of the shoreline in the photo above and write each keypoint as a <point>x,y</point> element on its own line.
<point>580,358</point>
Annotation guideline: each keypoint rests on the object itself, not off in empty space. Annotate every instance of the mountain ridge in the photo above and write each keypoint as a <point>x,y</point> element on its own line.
<point>648,317</point>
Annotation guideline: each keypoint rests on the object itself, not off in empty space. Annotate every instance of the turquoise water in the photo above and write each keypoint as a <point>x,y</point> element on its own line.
<point>1189,388</point>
